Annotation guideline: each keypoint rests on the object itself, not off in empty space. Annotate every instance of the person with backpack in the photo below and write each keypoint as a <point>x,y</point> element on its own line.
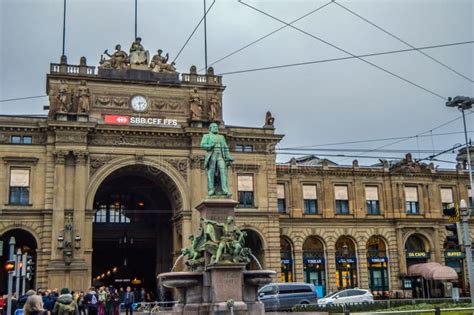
<point>91,301</point>
<point>65,304</point>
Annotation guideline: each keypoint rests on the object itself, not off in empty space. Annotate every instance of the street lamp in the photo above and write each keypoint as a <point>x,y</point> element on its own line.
<point>463,103</point>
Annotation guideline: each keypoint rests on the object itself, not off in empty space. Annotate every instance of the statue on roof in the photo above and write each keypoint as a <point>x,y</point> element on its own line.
<point>118,60</point>
<point>195,103</point>
<point>214,104</point>
<point>64,97</point>
<point>138,54</point>
<point>269,120</point>
<point>159,63</point>
<point>84,96</point>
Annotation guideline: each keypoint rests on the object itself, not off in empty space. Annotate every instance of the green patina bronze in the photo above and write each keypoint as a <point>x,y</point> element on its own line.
<point>223,241</point>
<point>216,162</point>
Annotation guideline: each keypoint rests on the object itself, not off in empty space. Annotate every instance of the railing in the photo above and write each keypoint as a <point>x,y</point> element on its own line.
<point>72,69</point>
<point>201,79</point>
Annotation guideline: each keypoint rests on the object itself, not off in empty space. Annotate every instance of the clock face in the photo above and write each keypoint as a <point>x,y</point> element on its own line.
<point>139,103</point>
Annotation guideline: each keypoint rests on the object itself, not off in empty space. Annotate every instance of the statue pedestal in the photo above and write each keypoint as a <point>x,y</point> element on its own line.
<point>217,209</point>
<point>220,287</point>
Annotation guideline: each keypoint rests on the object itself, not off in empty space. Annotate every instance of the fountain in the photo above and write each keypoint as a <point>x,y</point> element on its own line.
<point>217,282</point>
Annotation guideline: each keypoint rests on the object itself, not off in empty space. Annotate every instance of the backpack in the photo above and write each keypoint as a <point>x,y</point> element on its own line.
<point>93,299</point>
<point>67,309</point>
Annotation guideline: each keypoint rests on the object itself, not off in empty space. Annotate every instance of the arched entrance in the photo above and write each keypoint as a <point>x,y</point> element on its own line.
<point>346,263</point>
<point>132,227</point>
<point>377,263</point>
<point>254,242</point>
<point>24,241</point>
<point>314,264</point>
<point>286,254</point>
<point>417,251</point>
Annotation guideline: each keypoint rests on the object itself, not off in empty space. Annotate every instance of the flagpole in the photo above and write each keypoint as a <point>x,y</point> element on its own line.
<point>64,28</point>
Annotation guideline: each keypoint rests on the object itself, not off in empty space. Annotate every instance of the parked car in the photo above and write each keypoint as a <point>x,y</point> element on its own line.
<point>347,296</point>
<point>282,296</point>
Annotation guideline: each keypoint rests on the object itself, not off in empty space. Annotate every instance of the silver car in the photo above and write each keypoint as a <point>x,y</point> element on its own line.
<point>347,296</point>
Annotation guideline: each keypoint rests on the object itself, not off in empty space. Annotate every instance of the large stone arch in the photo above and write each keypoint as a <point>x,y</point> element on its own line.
<point>424,237</point>
<point>159,164</point>
<point>20,226</point>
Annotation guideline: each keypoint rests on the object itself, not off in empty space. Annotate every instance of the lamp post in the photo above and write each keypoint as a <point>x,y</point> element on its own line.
<point>463,103</point>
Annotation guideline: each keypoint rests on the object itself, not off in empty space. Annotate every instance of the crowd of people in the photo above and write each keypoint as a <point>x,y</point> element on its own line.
<point>100,301</point>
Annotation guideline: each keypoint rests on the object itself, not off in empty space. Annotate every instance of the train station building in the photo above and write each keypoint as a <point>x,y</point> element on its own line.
<point>103,189</point>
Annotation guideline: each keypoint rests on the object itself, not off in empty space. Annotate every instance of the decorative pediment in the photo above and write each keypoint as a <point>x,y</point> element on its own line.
<point>408,166</point>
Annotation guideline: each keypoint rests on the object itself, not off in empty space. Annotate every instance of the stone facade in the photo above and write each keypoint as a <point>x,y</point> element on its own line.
<point>70,153</point>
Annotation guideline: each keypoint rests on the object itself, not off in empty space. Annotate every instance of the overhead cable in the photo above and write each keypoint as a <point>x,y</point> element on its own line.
<point>269,34</point>
<point>305,63</point>
<point>194,31</point>
<point>404,42</point>
<point>345,51</point>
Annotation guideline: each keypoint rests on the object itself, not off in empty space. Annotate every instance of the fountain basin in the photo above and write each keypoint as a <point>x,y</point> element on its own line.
<point>258,277</point>
<point>183,279</point>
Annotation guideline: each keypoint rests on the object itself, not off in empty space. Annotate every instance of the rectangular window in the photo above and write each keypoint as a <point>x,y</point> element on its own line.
<point>372,199</point>
<point>21,139</point>
<point>245,191</point>
<point>244,148</point>
<point>19,186</point>
<point>469,194</point>
<point>15,139</point>
<point>342,199</point>
<point>446,197</point>
<point>310,199</point>
<point>27,140</point>
<point>411,200</point>
<point>248,148</point>
<point>281,198</point>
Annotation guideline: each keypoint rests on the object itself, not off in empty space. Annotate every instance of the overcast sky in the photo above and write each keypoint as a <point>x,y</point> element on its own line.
<point>315,104</point>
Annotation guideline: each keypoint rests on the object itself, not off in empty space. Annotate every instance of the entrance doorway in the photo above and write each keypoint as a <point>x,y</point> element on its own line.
<point>132,228</point>
<point>314,264</point>
<point>346,263</point>
<point>24,241</point>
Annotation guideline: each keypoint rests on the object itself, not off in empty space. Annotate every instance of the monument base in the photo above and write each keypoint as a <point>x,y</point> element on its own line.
<point>223,288</point>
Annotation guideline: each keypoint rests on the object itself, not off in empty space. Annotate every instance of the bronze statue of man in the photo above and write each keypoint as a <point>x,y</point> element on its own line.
<point>216,161</point>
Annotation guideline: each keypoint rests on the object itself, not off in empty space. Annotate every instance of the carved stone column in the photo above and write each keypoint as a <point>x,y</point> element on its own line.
<point>331,269</point>
<point>80,182</point>
<point>401,252</point>
<point>298,275</point>
<point>363,281</point>
<point>58,202</point>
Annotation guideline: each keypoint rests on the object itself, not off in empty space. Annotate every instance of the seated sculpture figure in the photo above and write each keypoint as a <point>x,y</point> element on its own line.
<point>159,63</point>
<point>118,60</point>
<point>138,54</point>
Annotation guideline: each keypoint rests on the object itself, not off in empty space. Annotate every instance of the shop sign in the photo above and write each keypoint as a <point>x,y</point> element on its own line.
<point>418,255</point>
<point>286,261</point>
<point>315,260</point>
<point>454,254</point>
<point>139,121</point>
<point>407,284</point>
<point>349,260</point>
<point>377,260</point>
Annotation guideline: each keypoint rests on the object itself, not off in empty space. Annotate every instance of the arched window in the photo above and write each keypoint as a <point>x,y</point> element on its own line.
<point>286,253</point>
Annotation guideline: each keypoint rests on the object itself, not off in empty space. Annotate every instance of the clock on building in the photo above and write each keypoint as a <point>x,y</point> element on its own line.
<point>139,103</point>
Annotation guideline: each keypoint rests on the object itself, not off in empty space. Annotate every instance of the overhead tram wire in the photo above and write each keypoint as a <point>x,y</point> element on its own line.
<point>345,51</point>
<point>374,140</point>
<point>404,42</point>
<point>422,133</point>
<point>21,98</point>
<point>269,34</point>
<point>343,58</point>
<point>447,151</point>
<point>194,31</point>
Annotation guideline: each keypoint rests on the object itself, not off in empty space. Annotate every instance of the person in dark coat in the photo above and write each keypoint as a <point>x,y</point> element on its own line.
<point>128,300</point>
